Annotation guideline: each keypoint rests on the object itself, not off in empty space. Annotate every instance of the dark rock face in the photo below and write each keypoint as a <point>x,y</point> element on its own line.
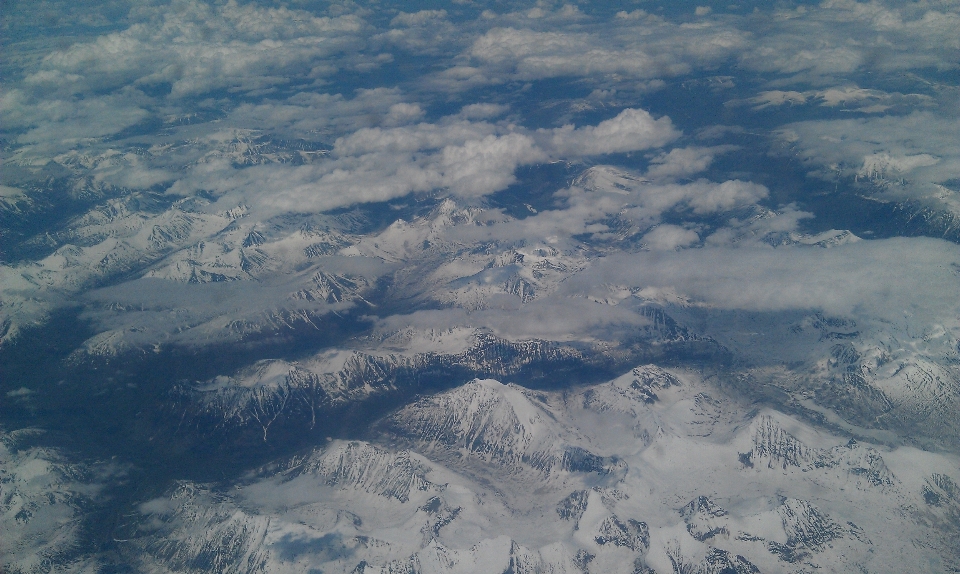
<point>722,562</point>
<point>808,530</point>
<point>701,516</point>
<point>773,447</point>
<point>776,447</point>
<point>573,506</point>
<point>631,534</point>
<point>301,396</point>
<point>201,531</point>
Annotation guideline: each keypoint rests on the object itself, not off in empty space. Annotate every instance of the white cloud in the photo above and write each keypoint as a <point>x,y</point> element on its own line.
<point>561,319</point>
<point>419,18</point>
<point>642,48</point>
<point>726,195</point>
<point>53,125</point>
<point>630,130</point>
<point>669,237</point>
<point>885,149</point>
<point>850,98</point>
<point>779,98</point>
<point>483,111</point>
<point>558,318</point>
<point>326,116</point>
<point>387,142</point>
<point>884,279</point>
<point>377,164</point>
<point>780,56</point>
<point>197,48</point>
<point>609,204</point>
<point>682,162</point>
<point>881,165</point>
<point>841,36</point>
<point>485,166</point>
<point>423,32</point>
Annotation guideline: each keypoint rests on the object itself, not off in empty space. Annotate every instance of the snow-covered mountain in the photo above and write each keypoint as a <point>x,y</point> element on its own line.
<point>489,477</point>
<point>43,498</point>
<point>732,461</point>
<point>479,287</point>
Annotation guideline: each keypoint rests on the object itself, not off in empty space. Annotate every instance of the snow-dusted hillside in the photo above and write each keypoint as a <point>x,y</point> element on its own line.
<point>645,473</point>
<point>43,498</point>
<point>477,286</point>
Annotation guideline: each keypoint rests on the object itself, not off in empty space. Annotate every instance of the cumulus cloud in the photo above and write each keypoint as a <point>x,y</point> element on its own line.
<point>465,158</point>
<point>842,36</point>
<point>426,32</point>
<point>611,48</point>
<point>260,74</point>
<point>482,167</point>
<point>610,204</point>
<point>326,116</point>
<point>169,54</point>
<point>376,164</point>
<point>558,318</point>
<point>882,165</point>
<point>630,130</point>
<point>195,48</point>
<point>702,197</point>
<point>562,319</point>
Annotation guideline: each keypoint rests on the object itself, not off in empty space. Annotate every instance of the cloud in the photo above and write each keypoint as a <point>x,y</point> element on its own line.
<point>669,237</point>
<point>630,130</point>
<point>611,205</point>
<point>885,150</point>
<point>555,318</point>
<point>375,164</point>
<point>882,165</point>
<point>51,126</point>
<point>483,111</point>
<point>885,279</point>
<point>850,98</point>
<point>842,36</point>
<point>425,32</point>
<point>607,48</point>
<point>196,48</point>
<point>781,56</point>
<point>727,195</point>
<point>561,319</point>
<point>326,116</point>
<point>681,162</point>
<point>463,157</point>
<point>485,166</point>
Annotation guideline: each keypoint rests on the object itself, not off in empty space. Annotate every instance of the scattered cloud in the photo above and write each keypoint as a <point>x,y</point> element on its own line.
<point>195,48</point>
<point>669,237</point>
<point>684,162</point>
<point>851,98</point>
